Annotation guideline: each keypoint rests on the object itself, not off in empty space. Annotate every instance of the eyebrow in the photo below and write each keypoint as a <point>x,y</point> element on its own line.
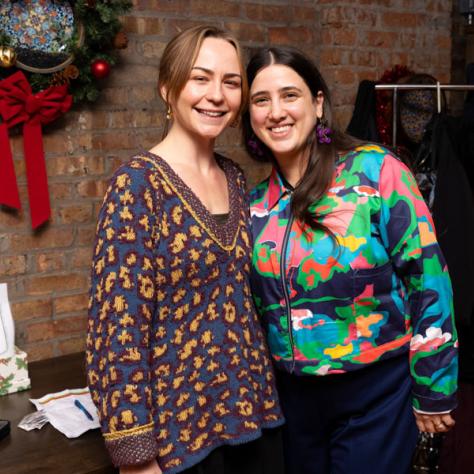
<point>209,71</point>
<point>283,89</point>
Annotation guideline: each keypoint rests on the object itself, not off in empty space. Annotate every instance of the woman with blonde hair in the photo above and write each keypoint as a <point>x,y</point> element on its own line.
<point>177,363</point>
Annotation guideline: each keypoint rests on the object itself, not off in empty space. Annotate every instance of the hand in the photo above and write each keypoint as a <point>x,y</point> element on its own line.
<point>148,468</point>
<point>434,423</point>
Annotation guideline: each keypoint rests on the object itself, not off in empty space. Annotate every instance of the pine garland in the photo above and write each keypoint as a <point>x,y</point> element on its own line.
<point>100,20</point>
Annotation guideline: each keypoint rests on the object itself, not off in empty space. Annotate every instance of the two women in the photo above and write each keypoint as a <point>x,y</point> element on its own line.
<point>177,362</point>
<point>347,277</point>
<point>349,281</point>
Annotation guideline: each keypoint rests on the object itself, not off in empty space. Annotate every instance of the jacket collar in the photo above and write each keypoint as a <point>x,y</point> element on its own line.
<point>277,188</point>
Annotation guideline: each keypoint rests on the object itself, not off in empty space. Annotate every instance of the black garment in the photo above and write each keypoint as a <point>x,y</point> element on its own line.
<point>445,141</point>
<point>351,423</point>
<point>363,123</point>
<point>453,213</point>
<point>262,456</point>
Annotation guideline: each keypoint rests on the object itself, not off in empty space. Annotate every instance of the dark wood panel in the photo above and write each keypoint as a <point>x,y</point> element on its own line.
<point>47,450</point>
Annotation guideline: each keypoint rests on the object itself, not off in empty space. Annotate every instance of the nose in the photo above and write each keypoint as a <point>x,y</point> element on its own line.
<point>215,92</point>
<point>277,112</point>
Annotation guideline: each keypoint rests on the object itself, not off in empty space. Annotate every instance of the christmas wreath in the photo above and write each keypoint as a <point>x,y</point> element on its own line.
<point>72,43</point>
<point>65,47</point>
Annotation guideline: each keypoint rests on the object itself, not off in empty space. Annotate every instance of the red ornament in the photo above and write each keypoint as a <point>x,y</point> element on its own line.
<point>100,68</point>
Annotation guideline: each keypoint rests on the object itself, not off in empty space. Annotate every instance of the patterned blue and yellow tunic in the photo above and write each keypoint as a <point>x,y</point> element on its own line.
<point>177,362</point>
<point>382,291</point>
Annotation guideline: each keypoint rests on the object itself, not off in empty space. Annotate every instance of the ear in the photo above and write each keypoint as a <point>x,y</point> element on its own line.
<point>163,90</point>
<point>318,103</point>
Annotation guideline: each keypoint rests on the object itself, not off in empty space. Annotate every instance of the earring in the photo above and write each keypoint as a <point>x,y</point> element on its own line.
<point>323,131</point>
<point>169,113</point>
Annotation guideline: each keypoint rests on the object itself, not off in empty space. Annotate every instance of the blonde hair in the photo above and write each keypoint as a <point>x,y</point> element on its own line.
<point>180,55</point>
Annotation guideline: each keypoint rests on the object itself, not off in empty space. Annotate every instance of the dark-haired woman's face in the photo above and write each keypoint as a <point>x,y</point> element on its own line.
<point>283,112</point>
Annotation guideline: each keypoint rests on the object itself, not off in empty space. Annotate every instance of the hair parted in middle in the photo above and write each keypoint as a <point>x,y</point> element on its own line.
<point>320,168</point>
<point>180,55</point>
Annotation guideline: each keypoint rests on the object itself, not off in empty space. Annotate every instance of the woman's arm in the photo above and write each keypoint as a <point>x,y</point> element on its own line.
<point>122,305</point>
<point>409,236</point>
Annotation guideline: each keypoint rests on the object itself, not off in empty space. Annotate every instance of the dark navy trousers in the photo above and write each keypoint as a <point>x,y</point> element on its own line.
<point>358,422</point>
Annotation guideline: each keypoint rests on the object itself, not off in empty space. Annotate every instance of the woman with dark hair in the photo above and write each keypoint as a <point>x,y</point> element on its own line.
<point>348,279</point>
<point>177,362</point>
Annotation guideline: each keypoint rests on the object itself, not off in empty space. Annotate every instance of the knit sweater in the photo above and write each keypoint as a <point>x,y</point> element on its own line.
<point>177,363</point>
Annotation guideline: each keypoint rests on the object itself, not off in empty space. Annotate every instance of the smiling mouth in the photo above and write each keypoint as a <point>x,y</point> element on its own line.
<point>280,129</point>
<point>211,113</point>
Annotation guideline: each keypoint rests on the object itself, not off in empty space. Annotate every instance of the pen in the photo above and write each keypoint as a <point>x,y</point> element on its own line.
<point>83,409</point>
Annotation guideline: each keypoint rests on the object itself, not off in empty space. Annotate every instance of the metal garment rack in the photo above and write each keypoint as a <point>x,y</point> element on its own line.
<point>397,87</point>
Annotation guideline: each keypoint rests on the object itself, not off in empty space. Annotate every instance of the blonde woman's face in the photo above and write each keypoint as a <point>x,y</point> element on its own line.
<point>211,98</point>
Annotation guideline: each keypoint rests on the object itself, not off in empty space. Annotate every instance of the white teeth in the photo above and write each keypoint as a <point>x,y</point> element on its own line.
<point>283,128</point>
<point>211,114</point>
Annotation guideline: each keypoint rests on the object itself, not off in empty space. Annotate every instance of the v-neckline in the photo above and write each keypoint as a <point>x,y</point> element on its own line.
<point>225,234</point>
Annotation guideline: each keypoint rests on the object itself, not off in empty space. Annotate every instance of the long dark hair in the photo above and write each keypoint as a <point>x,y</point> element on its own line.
<point>319,172</point>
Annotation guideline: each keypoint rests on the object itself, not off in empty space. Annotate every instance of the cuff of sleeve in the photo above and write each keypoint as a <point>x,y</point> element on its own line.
<point>132,447</point>
<point>434,405</point>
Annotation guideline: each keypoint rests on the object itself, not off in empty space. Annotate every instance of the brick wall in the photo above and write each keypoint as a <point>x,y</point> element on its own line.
<point>47,271</point>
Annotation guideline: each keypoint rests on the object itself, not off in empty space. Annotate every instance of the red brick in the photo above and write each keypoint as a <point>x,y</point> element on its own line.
<point>399,20</point>
<point>40,285</point>
<point>85,236</point>
<point>49,262</point>
<point>11,265</point>
<point>331,56</point>
<point>75,166</point>
<point>71,303</point>
<point>283,35</point>
<point>344,36</point>
<point>382,39</point>
<point>75,213</point>
<point>92,188</point>
<point>144,25</point>
<point>261,12</point>
<point>40,351</point>
<point>32,309</point>
<point>344,75</point>
<point>72,345</point>
<point>80,257</point>
<point>216,9</point>
<point>59,191</point>
<point>247,31</point>
<point>10,218</point>
<point>47,238</point>
<point>153,49</point>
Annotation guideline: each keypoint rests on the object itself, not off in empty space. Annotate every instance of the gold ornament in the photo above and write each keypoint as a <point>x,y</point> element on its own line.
<point>7,56</point>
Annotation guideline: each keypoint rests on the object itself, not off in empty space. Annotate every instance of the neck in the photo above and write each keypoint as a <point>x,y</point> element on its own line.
<point>181,147</point>
<point>293,167</point>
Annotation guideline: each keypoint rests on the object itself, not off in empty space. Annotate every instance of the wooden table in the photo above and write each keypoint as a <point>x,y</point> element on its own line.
<point>47,450</point>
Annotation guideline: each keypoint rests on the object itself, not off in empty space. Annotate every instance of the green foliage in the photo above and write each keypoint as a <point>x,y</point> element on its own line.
<point>101,23</point>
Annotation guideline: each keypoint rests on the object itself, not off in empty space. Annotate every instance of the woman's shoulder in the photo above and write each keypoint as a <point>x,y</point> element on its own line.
<point>369,159</point>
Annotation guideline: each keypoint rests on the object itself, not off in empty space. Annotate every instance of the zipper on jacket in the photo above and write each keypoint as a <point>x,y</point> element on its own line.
<point>286,237</point>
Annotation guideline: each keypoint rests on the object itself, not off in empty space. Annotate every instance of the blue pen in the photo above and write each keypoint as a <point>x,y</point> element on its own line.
<point>83,409</point>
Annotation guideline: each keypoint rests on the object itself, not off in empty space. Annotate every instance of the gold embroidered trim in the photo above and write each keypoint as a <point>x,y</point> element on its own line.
<point>138,430</point>
<point>214,237</point>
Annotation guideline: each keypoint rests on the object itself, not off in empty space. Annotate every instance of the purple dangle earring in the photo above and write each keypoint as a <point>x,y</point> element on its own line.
<point>323,131</point>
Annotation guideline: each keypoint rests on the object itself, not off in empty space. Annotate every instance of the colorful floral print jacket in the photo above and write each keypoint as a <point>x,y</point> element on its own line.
<point>384,290</point>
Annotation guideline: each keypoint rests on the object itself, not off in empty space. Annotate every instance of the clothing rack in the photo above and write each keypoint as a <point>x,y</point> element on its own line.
<point>397,87</point>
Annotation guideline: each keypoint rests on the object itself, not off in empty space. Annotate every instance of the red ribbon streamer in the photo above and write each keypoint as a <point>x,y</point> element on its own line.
<point>19,105</point>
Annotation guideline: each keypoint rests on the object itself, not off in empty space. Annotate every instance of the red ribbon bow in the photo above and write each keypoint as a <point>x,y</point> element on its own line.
<point>19,105</point>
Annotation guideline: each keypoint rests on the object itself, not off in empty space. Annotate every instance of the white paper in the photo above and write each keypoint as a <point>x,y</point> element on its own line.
<point>64,415</point>
<point>7,328</point>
